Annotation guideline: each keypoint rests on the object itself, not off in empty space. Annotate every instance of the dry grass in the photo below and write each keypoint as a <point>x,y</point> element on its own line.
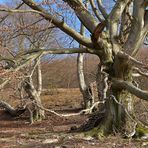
<point>52,132</point>
<point>62,98</point>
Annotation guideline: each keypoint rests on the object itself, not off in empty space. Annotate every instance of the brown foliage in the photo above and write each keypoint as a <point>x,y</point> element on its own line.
<point>62,73</point>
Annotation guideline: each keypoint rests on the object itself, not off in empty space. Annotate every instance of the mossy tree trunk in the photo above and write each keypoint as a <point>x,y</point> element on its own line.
<point>123,35</point>
<point>119,112</point>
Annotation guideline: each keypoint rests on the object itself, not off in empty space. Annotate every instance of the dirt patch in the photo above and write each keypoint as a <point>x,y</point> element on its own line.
<point>53,132</point>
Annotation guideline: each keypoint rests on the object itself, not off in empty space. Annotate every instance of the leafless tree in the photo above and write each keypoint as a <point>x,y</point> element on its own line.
<point>116,37</point>
<point>34,32</point>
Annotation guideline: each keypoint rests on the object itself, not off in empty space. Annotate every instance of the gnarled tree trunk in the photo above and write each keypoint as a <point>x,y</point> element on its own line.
<point>116,46</point>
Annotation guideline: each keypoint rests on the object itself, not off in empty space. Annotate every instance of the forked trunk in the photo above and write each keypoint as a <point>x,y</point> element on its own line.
<point>35,107</point>
<point>118,115</point>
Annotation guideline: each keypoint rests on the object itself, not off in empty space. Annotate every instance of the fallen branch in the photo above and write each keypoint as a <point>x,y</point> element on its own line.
<point>82,112</point>
<point>4,83</point>
<point>12,111</point>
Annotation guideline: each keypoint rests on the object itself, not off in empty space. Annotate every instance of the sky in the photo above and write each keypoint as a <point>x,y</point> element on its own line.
<point>1,1</point>
<point>107,3</point>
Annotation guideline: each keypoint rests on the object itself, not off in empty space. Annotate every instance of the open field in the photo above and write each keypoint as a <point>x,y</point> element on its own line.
<point>53,132</point>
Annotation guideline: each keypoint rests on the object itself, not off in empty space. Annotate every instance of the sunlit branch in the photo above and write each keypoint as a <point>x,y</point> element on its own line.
<point>102,9</point>
<point>83,14</point>
<point>19,11</point>
<point>131,59</point>
<point>60,24</point>
<point>96,12</point>
<point>131,88</point>
<point>138,30</point>
<point>114,22</point>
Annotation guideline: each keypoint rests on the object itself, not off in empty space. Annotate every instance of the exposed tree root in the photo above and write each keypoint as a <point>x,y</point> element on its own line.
<point>92,109</point>
<point>103,123</point>
<point>92,122</point>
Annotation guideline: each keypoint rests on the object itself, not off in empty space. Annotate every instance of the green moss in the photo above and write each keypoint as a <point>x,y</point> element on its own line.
<point>141,131</point>
<point>96,132</point>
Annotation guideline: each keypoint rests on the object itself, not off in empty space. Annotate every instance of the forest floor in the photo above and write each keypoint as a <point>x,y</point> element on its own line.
<point>53,132</point>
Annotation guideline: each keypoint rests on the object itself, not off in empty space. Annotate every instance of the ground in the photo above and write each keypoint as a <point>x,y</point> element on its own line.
<point>53,132</point>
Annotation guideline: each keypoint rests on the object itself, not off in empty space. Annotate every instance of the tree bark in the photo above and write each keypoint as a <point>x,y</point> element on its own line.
<point>118,109</point>
<point>12,111</point>
<point>35,109</point>
<point>86,91</point>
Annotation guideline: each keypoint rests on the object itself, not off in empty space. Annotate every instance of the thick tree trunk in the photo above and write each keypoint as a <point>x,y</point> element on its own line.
<point>124,108</point>
<point>119,113</point>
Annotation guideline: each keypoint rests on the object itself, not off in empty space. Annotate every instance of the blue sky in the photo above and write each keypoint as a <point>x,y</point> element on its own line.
<point>107,3</point>
<point>3,1</point>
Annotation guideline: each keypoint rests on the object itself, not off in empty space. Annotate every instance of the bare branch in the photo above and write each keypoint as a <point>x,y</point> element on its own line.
<point>19,11</point>
<point>24,58</point>
<point>96,12</point>
<point>59,51</point>
<point>131,88</point>
<point>133,60</point>
<point>102,9</point>
<point>104,83</point>
<point>60,24</point>
<point>19,6</point>
<point>90,110</point>
<point>113,21</point>
<point>83,14</point>
<point>48,110</point>
<point>39,77</point>
<point>138,30</point>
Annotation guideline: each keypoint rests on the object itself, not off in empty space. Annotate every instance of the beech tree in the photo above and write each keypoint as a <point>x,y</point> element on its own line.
<point>116,35</point>
<point>34,33</point>
<point>85,89</point>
